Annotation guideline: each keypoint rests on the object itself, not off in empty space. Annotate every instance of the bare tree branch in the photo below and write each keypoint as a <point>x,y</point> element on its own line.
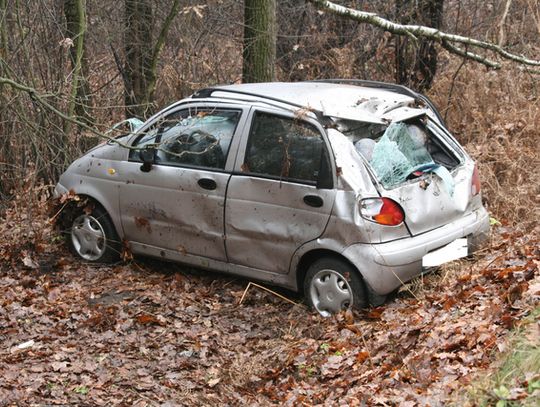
<point>426,32</point>
<point>40,99</point>
<point>158,47</point>
<point>469,55</point>
<point>163,33</point>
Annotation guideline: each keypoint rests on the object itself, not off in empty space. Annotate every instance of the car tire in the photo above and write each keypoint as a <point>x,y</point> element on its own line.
<point>332,285</point>
<point>93,238</point>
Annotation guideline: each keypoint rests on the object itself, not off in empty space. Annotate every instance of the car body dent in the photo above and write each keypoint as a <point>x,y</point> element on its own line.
<point>386,256</point>
<point>354,184</point>
<point>402,113</point>
<point>337,101</point>
<point>386,266</point>
<point>287,280</point>
<point>270,216</point>
<point>181,215</point>
<point>95,176</point>
<point>267,220</point>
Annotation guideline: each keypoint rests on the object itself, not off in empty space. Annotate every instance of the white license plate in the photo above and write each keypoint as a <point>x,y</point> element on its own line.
<point>452,251</point>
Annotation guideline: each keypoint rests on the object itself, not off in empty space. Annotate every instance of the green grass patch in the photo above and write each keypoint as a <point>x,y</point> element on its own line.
<point>515,380</point>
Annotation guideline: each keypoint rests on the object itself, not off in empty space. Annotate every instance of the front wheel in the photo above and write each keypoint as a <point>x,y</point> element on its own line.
<point>332,285</point>
<point>93,237</point>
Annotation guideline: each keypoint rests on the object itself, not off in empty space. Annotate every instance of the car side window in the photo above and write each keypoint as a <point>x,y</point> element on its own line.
<point>284,148</point>
<point>198,137</point>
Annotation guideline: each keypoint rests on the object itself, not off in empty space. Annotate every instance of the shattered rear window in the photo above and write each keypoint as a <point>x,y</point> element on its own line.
<point>400,151</point>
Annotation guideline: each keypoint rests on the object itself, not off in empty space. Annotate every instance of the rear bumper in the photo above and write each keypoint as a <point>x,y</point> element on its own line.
<point>386,266</point>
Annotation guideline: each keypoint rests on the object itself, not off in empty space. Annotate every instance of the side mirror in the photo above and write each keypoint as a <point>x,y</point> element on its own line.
<point>148,157</point>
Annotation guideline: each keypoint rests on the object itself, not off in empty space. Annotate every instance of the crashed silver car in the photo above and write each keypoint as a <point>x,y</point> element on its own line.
<point>341,189</point>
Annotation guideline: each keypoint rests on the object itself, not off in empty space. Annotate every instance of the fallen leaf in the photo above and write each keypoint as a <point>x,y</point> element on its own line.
<point>29,262</point>
<point>213,382</point>
<point>147,319</point>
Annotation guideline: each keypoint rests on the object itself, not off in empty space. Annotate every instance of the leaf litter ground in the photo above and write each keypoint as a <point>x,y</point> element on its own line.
<point>149,333</point>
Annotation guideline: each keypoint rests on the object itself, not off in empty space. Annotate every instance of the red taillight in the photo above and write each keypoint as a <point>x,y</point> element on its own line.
<point>475,182</point>
<point>383,211</point>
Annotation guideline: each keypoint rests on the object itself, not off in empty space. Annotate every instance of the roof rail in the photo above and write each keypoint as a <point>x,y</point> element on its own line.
<point>400,89</point>
<point>207,92</point>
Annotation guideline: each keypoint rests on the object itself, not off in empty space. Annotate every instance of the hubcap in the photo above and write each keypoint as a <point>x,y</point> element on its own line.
<point>330,292</point>
<point>88,237</point>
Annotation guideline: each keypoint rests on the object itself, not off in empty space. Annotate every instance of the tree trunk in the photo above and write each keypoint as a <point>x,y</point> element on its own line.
<point>3,39</point>
<point>138,52</point>
<point>141,55</point>
<point>75,14</point>
<point>416,61</point>
<point>259,51</point>
<point>4,141</point>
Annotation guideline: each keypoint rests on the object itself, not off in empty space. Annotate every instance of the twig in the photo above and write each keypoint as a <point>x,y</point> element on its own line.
<point>265,289</point>
<point>367,350</point>
<point>51,220</point>
<point>502,35</point>
<point>454,77</point>
<point>37,97</point>
<point>404,285</point>
<point>244,294</point>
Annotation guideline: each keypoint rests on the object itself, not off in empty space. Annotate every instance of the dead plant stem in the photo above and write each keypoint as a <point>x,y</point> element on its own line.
<point>267,290</point>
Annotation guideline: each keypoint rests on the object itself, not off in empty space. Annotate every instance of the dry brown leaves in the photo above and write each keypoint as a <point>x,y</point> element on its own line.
<point>151,333</point>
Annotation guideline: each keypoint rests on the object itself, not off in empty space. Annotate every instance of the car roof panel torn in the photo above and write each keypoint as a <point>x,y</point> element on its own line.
<point>345,101</point>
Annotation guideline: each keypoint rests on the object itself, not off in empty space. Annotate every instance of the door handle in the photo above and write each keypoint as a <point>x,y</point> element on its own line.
<point>313,200</point>
<point>207,183</point>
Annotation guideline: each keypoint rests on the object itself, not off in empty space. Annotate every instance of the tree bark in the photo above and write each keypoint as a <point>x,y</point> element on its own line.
<point>141,57</point>
<point>137,48</point>
<point>80,101</point>
<point>259,52</point>
<point>5,145</point>
<point>3,38</point>
<point>416,60</point>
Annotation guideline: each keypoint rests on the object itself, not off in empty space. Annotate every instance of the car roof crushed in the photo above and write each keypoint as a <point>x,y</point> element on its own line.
<point>375,103</point>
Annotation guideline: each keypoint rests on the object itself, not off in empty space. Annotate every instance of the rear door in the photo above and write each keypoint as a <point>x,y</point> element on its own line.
<point>281,193</point>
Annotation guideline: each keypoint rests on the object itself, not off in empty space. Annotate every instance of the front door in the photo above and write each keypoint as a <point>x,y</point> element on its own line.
<point>179,204</point>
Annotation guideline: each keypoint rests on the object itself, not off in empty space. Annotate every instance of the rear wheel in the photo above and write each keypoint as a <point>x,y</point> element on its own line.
<point>93,237</point>
<point>332,285</point>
